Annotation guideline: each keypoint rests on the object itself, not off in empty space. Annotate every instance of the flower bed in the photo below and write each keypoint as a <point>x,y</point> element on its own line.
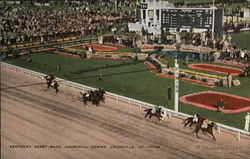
<point>119,53</point>
<point>231,63</point>
<point>147,47</point>
<point>66,54</point>
<point>186,79</point>
<point>112,44</point>
<point>74,50</point>
<point>216,68</point>
<point>210,100</point>
<point>76,45</point>
<point>100,47</point>
<point>109,58</point>
<point>201,74</point>
<point>150,66</point>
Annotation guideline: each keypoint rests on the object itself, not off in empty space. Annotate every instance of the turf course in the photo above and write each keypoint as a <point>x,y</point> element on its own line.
<point>131,79</point>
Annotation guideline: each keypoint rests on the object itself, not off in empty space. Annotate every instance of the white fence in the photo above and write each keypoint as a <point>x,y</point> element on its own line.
<point>118,98</point>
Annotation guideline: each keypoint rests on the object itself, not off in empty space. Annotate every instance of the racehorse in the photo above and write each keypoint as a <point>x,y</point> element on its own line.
<point>88,97</point>
<point>208,128</point>
<point>49,79</point>
<point>50,83</point>
<point>161,113</point>
<point>100,94</point>
<point>192,120</point>
<point>94,96</point>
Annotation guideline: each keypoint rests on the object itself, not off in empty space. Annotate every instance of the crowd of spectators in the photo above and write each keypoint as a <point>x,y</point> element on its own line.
<point>23,25</point>
<point>235,26</point>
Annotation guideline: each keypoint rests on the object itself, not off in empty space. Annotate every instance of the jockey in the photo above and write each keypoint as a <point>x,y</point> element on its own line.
<point>153,111</point>
<point>51,77</point>
<point>88,93</point>
<point>195,118</point>
<point>205,123</point>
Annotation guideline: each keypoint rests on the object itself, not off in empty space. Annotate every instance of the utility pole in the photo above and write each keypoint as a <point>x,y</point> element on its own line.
<point>176,81</point>
<point>213,21</point>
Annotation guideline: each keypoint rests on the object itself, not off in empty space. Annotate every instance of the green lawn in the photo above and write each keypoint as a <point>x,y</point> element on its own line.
<point>131,79</point>
<point>242,39</point>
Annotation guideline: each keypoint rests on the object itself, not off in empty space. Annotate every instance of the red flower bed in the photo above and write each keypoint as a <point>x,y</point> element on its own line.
<point>66,54</point>
<point>76,45</point>
<point>112,44</point>
<point>147,47</point>
<point>210,100</point>
<point>110,58</point>
<point>216,68</point>
<point>100,47</point>
<point>169,47</point>
<point>150,66</point>
<point>185,79</point>
<point>188,49</point>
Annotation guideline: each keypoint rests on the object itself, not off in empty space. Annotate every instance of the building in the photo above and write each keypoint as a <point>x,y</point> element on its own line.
<point>246,13</point>
<point>156,15</point>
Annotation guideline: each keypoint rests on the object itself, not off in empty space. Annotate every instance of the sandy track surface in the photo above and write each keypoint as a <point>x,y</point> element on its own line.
<point>33,116</point>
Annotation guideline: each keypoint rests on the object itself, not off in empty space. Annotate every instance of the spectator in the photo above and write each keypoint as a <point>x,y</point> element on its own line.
<point>247,122</point>
<point>25,25</point>
<point>169,92</point>
<point>220,105</point>
<point>229,80</point>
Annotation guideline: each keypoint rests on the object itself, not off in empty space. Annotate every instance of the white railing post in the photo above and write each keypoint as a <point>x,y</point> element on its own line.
<point>129,103</point>
<point>140,106</point>
<point>238,136</point>
<point>117,100</point>
<point>169,115</point>
<point>73,87</point>
<point>219,131</point>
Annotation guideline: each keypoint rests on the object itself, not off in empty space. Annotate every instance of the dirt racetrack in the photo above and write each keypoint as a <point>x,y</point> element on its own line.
<point>34,118</point>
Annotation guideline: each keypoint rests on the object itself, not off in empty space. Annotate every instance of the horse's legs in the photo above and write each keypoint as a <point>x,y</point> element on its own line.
<point>196,131</point>
<point>185,124</point>
<point>85,102</point>
<point>203,131</point>
<point>93,102</point>
<point>146,114</point>
<point>57,90</point>
<point>158,117</point>
<point>213,135</point>
<point>190,124</point>
<point>150,116</point>
<point>97,102</point>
